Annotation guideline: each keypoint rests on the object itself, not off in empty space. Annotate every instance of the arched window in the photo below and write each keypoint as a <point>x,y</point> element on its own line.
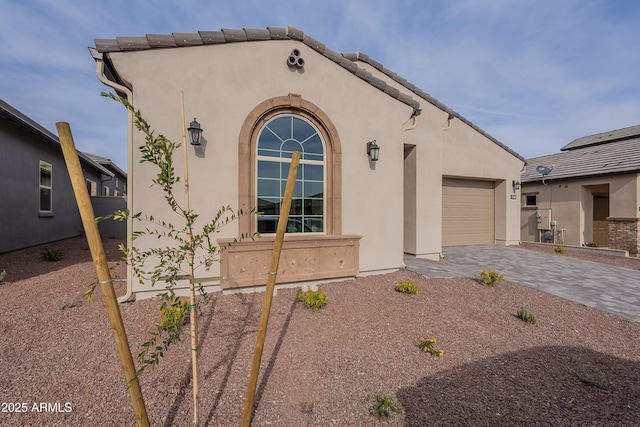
<point>277,140</point>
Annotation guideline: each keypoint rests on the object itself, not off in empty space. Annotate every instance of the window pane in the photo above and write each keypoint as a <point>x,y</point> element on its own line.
<point>285,166</point>
<point>315,224</point>
<point>296,207</point>
<point>313,189</point>
<point>281,127</point>
<point>269,187</point>
<point>45,199</point>
<point>313,172</point>
<point>267,224</point>
<point>314,207</point>
<point>268,140</point>
<point>269,206</point>
<point>45,176</point>
<point>291,145</point>
<point>313,145</point>
<point>268,169</point>
<point>302,130</point>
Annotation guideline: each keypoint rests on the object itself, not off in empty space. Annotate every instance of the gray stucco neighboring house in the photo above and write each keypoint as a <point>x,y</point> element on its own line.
<point>591,194</point>
<point>112,185</point>
<point>37,201</point>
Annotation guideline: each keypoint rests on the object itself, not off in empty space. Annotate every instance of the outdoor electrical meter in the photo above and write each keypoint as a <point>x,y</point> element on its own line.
<point>544,219</point>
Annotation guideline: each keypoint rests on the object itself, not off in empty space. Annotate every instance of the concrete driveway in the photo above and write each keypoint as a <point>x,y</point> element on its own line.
<point>609,288</point>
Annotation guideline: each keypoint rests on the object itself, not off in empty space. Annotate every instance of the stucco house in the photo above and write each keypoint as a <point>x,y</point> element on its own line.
<point>38,204</point>
<point>258,94</point>
<point>590,195</point>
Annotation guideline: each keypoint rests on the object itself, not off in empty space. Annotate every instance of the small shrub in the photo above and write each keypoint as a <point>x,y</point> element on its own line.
<point>427,345</point>
<point>407,287</point>
<point>173,318</point>
<point>526,316</point>
<point>52,255</point>
<point>384,406</point>
<point>70,301</point>
<point>591,377</point>
<point>558,249</point>
<point>489,277</point>
<point>313,300</point>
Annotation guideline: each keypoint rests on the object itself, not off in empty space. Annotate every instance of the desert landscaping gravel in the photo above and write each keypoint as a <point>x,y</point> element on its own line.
<point>575,366</point>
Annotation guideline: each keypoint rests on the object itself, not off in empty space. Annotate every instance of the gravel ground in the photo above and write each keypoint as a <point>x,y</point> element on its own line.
<point>576,366</point>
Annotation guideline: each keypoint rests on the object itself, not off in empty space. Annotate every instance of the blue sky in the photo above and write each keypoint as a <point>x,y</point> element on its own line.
<point>535,74</point>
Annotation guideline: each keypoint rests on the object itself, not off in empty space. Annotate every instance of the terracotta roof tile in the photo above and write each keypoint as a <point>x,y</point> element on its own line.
<point>622,156</point>
<point>212,37</point>
<point>232,35</point>
<point>187,39</point>
<point>295,33</point>
<point>161,40</point>
<point>314,44</point>
<point>278,33</point>
<point>133,43</point>
<point>604,137</point>
<point>256,34</point>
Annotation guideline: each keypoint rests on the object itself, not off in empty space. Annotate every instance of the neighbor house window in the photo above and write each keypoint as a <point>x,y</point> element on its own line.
<point>45,186</point>
<point>277,140</point>
<point>105,191</point>
<point>530,200</point>
<point>92,188</point>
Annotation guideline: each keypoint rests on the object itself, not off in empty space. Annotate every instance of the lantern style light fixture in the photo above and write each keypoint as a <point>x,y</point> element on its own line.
<point>516,185</point>
<point>194,132</point>
<point>373,151</point>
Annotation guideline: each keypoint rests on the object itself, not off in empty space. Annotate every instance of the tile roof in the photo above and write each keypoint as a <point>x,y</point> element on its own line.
<point>615,157</point>
<point>108,163</point>
<point>604,137</point>
<point>347,60</point>
<point>18,118</point>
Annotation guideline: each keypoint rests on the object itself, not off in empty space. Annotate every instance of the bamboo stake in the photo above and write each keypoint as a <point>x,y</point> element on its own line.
<point>192,292</point>
<point>268,295</point>
<point>104,275</point>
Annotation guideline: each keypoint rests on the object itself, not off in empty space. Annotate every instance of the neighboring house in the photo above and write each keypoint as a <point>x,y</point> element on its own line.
<point>114,185</point>
<point>261,93</point>
<point>591,196</point>
<point>38,204</point>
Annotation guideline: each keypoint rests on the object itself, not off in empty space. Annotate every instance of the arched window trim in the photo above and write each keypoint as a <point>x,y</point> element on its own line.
<point>247,152</point>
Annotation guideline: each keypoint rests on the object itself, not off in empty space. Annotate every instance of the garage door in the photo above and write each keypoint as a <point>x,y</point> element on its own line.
<point>468,212</point>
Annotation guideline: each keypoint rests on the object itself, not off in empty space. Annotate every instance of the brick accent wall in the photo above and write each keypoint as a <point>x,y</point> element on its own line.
<point>624,234</point>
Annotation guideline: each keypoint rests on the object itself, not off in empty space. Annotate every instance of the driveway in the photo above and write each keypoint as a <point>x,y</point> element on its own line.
<point>609,288</point>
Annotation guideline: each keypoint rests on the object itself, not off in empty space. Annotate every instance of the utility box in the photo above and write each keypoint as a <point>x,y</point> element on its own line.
<point>543,217</point>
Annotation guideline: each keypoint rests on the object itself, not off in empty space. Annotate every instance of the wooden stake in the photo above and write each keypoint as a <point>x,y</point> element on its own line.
<point>104,275</point>
<point>192,292</point>
<point>268,294</point>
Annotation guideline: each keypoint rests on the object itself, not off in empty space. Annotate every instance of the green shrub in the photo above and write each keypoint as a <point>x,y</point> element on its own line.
<point>526,316</point>
<point>489,277</point>
<point>558,249</point>
<point>384,406</point>
<point>52,255</point>
<point>427,345</point>
<point>407,287</point>
<point>591,377</point>
<point>313,300</point>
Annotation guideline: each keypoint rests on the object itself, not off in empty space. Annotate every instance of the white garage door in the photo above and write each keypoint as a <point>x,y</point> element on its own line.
<point>468,212</point>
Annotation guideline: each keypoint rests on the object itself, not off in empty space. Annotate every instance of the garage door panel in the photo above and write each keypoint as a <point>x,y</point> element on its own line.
<point>468,212</point>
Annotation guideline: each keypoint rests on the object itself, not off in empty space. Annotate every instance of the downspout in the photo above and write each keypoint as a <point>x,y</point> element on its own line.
<point>129,96</point>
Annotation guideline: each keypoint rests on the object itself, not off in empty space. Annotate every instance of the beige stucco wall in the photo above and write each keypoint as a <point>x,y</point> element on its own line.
<point>222,84</point>
<point>571,204</point>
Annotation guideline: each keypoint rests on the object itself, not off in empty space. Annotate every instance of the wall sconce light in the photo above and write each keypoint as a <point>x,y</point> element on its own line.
<point>373,151</point>
<point>516,185</point>
<point>194,132</point>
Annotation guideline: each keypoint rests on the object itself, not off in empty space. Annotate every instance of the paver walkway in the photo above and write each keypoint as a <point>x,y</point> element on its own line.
<point>609,288</point>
